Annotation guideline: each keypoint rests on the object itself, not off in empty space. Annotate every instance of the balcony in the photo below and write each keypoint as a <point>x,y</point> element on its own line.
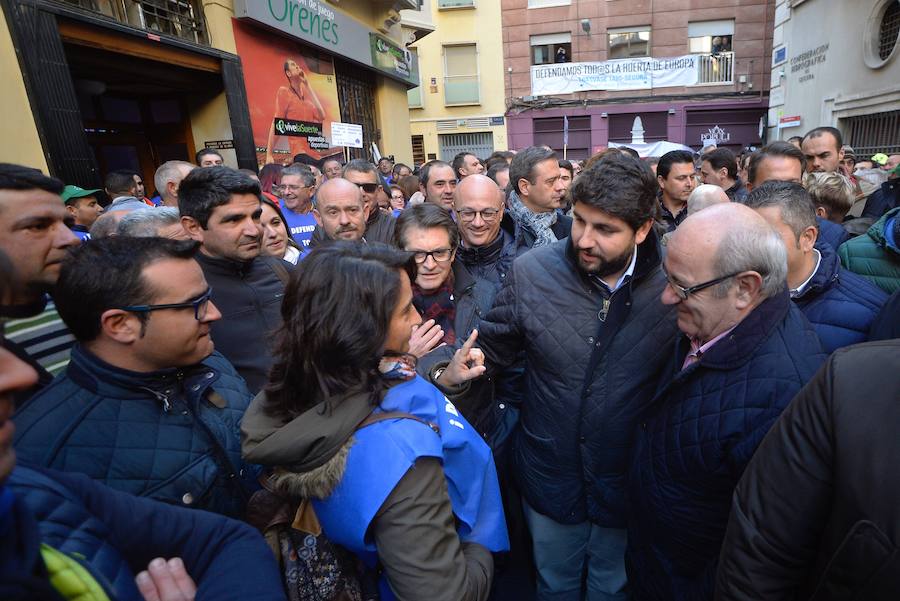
<point>178,18</point>
<point>716,69</point>
<point>414,98</point>
<point>461,89</point>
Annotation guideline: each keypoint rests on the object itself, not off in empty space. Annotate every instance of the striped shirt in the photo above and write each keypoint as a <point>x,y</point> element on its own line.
<point>44,337</point>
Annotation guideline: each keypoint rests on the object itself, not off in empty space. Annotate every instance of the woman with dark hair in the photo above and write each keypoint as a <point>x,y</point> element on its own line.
<point>270,180</point>
<point>394,473</point>
<point>276,238</point>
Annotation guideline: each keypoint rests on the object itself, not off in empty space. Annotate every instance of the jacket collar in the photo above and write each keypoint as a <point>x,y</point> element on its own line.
<point>488,253</point>
<point>824,277</point>
<point>99,377</point>
<point>224,266</point>
<point>745,339</point>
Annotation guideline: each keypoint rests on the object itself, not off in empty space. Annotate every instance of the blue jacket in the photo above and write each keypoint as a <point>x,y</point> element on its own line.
<point>702,429</point>
<point>839,304</point>
<point>172,435</point>
<point>591,366</point>
<point>831,233</point>
<point>114,536</point>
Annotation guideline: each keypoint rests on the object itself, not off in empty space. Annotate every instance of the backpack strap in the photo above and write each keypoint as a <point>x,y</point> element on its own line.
<point>374,418</point>
<point>277,265</point>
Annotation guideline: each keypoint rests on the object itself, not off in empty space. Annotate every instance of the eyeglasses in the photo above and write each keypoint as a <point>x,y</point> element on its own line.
<point>683,292</point>
<point>487,215</point>
<point>368,188</point>
<point>293,187</point>
<point>200,306</point>
<point>441,255</point>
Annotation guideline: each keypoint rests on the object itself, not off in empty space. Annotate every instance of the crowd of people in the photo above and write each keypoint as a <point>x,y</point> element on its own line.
<point>517,377</point>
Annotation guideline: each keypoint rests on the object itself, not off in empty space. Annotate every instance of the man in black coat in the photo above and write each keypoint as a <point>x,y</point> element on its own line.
<point>220,208</point>
<point>587,314</point>
<point>817,513</point>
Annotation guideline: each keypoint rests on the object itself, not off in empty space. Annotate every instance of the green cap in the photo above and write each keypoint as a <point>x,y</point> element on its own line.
<point>73,192</point>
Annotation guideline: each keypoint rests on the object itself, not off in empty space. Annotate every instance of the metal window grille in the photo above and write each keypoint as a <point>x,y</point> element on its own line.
<point>356,97</point>
<point>890,30</point>
<point>480,144</point>
<point>870,134</point>
<point>180,18</point>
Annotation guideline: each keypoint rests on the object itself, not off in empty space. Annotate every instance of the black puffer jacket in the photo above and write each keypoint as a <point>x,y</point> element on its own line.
<point>249,297</point>
<point>591,366</point>
<point>817,513</point>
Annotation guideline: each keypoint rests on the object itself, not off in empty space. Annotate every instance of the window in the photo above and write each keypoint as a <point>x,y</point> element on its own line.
<point>873,133</point>
<point>548,3</point>
<point>889,30</point>
<point>461,84</point>
<point>628,42</point>
<point>711,36</point>
<point>480,144</point>
<point>414,96</point>
<point>552,48</point>
<point>443,4</point>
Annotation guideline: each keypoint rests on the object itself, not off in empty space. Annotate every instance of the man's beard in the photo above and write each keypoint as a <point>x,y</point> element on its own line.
<point>605,268</point>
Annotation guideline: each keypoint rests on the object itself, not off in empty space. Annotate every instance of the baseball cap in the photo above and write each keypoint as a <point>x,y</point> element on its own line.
<point>72,192</point>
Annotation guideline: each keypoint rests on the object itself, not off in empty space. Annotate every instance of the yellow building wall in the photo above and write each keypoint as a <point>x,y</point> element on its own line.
<point>482,26</point>
<point>391,112</point>
<point>18,130</point>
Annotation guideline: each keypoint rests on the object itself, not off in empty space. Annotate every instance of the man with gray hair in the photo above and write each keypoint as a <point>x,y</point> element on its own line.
<point>168,178</point>
<point>705,195</point>
<point>746,351</point>
<point>536,191</point>
<point>839,304</point>
<point>298,184</point>
<point>162,222</point>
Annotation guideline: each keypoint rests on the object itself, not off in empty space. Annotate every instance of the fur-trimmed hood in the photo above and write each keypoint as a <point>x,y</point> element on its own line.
<point>308,452</point>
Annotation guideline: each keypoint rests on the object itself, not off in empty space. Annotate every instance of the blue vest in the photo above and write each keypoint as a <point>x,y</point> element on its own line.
<point>385,451</point>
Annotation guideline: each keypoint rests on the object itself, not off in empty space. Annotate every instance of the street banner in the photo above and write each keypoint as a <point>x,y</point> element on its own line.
<point>625,74</point>
<point>292,94</point>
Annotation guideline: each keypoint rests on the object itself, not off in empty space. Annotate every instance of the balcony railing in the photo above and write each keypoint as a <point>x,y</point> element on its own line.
<point>716,69</point>
<point>461,89</point>
<point>179,18</point>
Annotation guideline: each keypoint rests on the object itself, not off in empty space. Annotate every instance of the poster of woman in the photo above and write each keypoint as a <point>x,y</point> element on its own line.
<point>292,93</point>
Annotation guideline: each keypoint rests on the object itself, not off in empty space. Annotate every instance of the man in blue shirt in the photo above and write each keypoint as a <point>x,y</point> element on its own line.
<point>83,208</point>
<point>297,186</point>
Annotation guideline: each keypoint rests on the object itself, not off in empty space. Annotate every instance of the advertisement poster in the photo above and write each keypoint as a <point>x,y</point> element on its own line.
<point>292,93</point>
<point>625,74</point>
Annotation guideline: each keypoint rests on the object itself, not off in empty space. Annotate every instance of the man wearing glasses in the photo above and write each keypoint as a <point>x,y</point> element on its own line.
<point>145,406</point>
<point>746,351</point>
<point>297,188</point>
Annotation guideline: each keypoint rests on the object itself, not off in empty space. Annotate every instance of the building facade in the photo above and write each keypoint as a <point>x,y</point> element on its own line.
<point>98,85</point>
<point>578,72</point>
<point>846,76</point>
<point>460,102</point>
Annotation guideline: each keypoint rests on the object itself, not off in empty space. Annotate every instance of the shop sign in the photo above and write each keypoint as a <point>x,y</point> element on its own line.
<point>792,121</point>
<point>389,57</point>
<point>317,23</point>
<point>219,144</point>
<point>346,134</point>
<point>626,74</point>
<point>302,129</point>
<point>715,136</point>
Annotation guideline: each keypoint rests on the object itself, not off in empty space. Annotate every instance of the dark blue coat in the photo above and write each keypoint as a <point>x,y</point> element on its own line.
<point>839,304</point>
<point>831,233</point>
<point>591,366</point>
<point>115,536</point>
<point>172,435</point>
<point>702,429</point>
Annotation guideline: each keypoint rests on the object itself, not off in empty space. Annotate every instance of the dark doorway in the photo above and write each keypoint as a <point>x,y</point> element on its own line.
<point>135,111</point>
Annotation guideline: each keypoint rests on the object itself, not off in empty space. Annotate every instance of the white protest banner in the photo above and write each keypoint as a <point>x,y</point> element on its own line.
<point>346,134</point>
<point>626,74</point>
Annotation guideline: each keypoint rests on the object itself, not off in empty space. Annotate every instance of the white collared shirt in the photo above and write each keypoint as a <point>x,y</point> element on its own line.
<point>628,272</point>
<point>795,292</point>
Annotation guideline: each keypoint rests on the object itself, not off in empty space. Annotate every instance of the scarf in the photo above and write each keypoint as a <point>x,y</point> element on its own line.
<point>538,224</point>
<point>439,306</point>
<point>397,367</point>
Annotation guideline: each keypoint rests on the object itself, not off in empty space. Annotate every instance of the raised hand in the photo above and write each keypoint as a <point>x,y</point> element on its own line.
<point>425,337</point>
<point>467,364</point>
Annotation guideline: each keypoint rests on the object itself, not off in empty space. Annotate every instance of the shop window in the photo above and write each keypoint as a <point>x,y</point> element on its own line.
<point>629,42</point>
<point>461,83</point>
<point>552,48</point>
<point>711,36</point>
